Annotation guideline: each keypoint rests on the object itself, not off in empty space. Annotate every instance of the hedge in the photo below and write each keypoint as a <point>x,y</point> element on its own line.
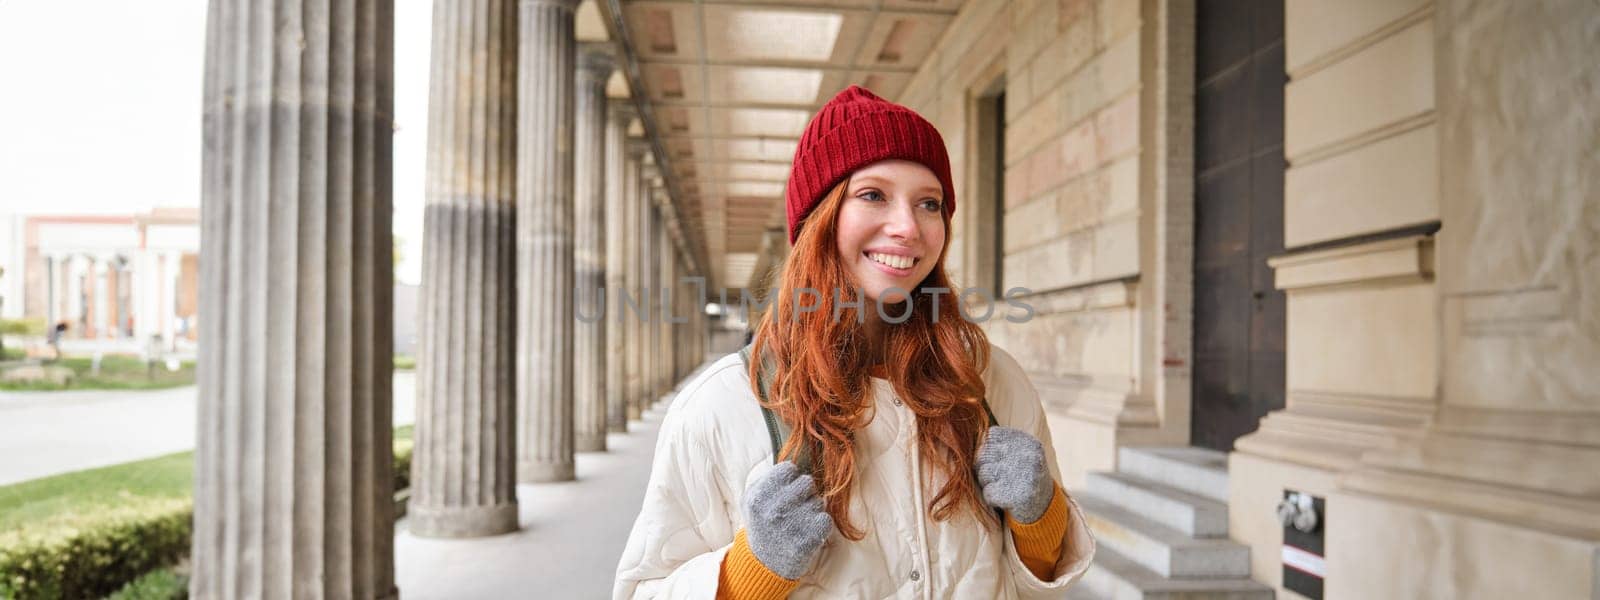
<point>100,560</point>
<point>160,584</point>
<point>402,457</point>
<point>97,561</point>
<point>33,326</point>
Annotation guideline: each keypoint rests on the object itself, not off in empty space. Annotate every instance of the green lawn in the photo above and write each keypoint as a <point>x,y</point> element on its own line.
<point>58,511</point>
<point>117,372</point>
<point>53,508</point>
<point>58,506</point>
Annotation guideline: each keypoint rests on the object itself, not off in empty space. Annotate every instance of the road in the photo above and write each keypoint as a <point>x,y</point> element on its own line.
<point>46,433</point>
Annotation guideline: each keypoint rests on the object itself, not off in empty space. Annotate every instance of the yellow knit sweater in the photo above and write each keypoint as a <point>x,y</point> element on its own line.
<point>743,577</point>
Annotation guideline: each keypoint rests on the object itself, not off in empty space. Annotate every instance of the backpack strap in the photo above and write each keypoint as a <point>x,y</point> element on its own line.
<point>777,430</point>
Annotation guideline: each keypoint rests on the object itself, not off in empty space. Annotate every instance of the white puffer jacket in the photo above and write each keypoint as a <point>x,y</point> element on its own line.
<point>713,443</point>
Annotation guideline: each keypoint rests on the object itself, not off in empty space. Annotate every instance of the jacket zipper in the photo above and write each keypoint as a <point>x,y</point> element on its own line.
<point>922,525</point>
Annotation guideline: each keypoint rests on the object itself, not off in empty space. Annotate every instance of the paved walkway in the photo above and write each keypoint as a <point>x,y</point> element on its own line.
<point>572,533</point>
<point>46,433</point>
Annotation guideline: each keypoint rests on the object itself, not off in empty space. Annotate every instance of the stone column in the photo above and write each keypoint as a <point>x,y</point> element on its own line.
<point>100,274</point>
<point>638,284</point>
<point>464,465</point>
<point>293,493</point>
<point>171,264</point>
<point>669,307</point>
<point>72,270</point>
<point>670,304</point>
<point>619,168</point>
<point>144,286</point>
<point>544,241</point>
<point>685,307</point>
<point>652,280</point>
<point>589,236</point>
<point>52,265</point>
<point>679,302</point>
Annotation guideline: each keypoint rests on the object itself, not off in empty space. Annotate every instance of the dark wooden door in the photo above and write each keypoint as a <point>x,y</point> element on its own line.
<point>1239,164</point>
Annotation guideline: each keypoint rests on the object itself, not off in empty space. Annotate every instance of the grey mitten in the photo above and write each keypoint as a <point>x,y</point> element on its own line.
<point>1013,475</point>
<point>785,521</point>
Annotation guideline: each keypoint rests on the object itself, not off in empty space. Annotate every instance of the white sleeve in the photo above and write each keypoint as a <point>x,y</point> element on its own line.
<point>684,527</point>
<point>1020,408</point>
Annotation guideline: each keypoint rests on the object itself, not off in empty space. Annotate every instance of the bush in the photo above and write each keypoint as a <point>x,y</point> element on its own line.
<point>97,561</point>
<point>22,326</point>
<point>70,547</point>
<point>405,363</point>
<point>161,584</point>
<point>402,457</point>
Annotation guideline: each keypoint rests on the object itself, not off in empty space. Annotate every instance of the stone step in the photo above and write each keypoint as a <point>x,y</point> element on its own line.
<point>1199,471</point>
<point>1162,549</point>
<point>1115,577</point>
<point>1191,514</point>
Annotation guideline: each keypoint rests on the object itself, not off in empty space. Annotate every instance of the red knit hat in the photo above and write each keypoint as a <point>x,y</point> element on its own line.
<point>855,129</point>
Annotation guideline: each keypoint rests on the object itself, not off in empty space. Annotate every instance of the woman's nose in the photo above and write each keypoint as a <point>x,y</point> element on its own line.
<point>902,222</point>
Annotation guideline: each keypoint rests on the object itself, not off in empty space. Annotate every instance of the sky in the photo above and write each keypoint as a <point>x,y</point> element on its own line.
<point>100,109</point>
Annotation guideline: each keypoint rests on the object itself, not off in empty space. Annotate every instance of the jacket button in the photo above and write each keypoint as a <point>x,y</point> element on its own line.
<point>915,575</point>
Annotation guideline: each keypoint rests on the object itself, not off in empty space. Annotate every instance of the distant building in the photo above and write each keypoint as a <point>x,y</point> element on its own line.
<point>110,277</point>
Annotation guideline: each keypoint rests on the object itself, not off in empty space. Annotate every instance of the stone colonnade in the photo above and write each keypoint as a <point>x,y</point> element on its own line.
<point>97,294</point>
<point>536,197</point>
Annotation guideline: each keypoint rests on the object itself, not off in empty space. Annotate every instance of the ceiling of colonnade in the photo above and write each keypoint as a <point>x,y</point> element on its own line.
<point>731,84</point>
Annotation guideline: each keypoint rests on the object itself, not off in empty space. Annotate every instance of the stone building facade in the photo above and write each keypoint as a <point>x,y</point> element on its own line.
<point>1430,369</point>
<point>122,278</point>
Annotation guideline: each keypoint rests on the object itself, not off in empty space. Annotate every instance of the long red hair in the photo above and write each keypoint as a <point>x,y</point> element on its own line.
<point>821,383</point>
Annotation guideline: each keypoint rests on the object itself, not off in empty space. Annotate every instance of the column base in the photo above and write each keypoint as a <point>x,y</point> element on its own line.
<point>530,472</point>
<point>588,442</point>
<point>633,411</point>
<point>462,521</point>
<point>617,427</point>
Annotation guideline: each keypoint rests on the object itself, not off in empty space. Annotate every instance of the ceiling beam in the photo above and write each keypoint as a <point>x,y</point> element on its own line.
<point>747,138</point>
<point>813,7</point>
<point>706,180</point>
<point>735,161</point>
<point>787,64</point>
<point>811,107</point>
<point>618,26</point>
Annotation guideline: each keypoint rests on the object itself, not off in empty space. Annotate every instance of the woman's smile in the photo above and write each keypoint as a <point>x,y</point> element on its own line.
<point>893,262</point>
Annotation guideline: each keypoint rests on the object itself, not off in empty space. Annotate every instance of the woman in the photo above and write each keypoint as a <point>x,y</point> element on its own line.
<point>893,482</point>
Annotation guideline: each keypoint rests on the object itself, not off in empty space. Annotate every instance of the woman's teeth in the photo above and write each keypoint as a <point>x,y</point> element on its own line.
<point>898,262</point>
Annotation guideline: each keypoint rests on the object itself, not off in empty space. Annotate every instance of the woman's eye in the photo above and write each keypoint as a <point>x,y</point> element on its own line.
<point>932,205</point>
<point>870,196</point>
